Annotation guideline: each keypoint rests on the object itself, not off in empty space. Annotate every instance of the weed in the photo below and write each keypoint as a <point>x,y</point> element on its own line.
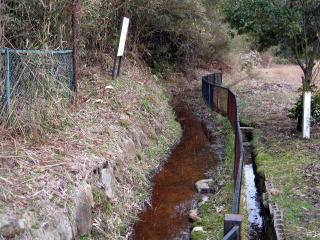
<point>35,226</point>
<point>198,235</point>
<point>84,238</point>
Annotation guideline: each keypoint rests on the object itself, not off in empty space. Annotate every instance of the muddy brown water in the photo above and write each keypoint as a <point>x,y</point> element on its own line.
<point>173,193</point>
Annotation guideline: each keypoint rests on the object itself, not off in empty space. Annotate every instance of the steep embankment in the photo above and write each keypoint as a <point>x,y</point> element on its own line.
<point>88,173</point>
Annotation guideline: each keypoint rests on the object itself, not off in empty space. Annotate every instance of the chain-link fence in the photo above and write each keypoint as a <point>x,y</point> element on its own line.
<point>31,79</point>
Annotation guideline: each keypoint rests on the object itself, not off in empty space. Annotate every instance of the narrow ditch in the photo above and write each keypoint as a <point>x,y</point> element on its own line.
<point>174,193</point>
<point>260,222</point>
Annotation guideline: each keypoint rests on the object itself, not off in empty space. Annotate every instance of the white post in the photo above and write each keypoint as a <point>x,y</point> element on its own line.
<point>123,36</point>
<point>306,115</point>
<point>120,50</point>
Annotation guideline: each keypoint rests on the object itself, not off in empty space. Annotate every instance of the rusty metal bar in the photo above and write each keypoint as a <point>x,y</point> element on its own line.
<point>74,23</point>
<point>115,68</point>
<point>238,173</point>
<point>119,66</point>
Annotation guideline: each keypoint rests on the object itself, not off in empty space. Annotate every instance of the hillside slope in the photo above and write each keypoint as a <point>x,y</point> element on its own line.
<point>87,173</point>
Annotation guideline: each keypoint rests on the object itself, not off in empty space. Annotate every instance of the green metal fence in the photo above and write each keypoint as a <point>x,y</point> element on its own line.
<point>34,76</point>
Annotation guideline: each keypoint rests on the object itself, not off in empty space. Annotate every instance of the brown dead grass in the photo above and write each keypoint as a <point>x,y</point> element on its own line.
<point>40,172</point>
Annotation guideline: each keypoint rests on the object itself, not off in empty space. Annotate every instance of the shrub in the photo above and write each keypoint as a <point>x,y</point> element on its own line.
<point>283,55</point>
<point>250,61</point>
<point>164,33</point>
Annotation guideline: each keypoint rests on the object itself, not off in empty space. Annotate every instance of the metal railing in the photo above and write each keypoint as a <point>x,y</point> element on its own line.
<point>28,75</point>
<point>222,100</point>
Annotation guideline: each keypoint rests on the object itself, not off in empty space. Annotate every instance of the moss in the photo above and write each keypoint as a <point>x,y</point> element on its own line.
<point>198,235</point>
<point>245,122</point>
<point>35,226</point>
<point>84,238</point>
<point>262,159</point>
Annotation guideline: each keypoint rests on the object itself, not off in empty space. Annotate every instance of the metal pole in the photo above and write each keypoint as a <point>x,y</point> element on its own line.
<point>120,49</point>
<point>114,70</point>
<point>117,59</point>
<point>74,23</point>
<point>8,87</point>
<point>119,66</point>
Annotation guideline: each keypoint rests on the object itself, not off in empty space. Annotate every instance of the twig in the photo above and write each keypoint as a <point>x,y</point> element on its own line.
<point>7,181</point>
<point>54,165</point>
<point>3,156</point>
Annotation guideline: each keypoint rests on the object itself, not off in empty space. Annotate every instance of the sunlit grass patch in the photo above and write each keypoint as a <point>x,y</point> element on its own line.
<point>287,171</point>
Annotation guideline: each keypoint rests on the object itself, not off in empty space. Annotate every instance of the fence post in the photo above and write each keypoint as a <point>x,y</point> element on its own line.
<point>230,221</point>
<point>209,95</point>
<point>120,49</point>
<point>74,23</point>
<point>115,68</point>
<point>8,87</point>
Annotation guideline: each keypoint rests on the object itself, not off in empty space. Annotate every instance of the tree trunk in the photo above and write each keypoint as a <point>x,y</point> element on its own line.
<point>307,79</point>
<point>306,86</point>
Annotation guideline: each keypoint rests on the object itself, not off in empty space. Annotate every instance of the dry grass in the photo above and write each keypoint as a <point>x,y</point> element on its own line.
<point>39,89</point>
<point>40,172</point>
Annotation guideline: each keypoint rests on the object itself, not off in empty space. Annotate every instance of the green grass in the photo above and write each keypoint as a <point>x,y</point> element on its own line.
<point>84,238</point>
<point>286,170</point>
<point>198,235</point>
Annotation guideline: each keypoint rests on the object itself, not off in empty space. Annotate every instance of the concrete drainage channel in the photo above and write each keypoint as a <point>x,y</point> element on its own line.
<point>265,218</point>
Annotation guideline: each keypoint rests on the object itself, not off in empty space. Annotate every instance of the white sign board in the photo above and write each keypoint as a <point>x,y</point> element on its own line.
<point>306,115</point>
<point>123,36</point>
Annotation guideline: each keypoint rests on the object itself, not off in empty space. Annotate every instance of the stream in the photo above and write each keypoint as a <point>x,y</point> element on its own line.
<point>256,228</point>
<point>253,204</point>
<point>173,193</point>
